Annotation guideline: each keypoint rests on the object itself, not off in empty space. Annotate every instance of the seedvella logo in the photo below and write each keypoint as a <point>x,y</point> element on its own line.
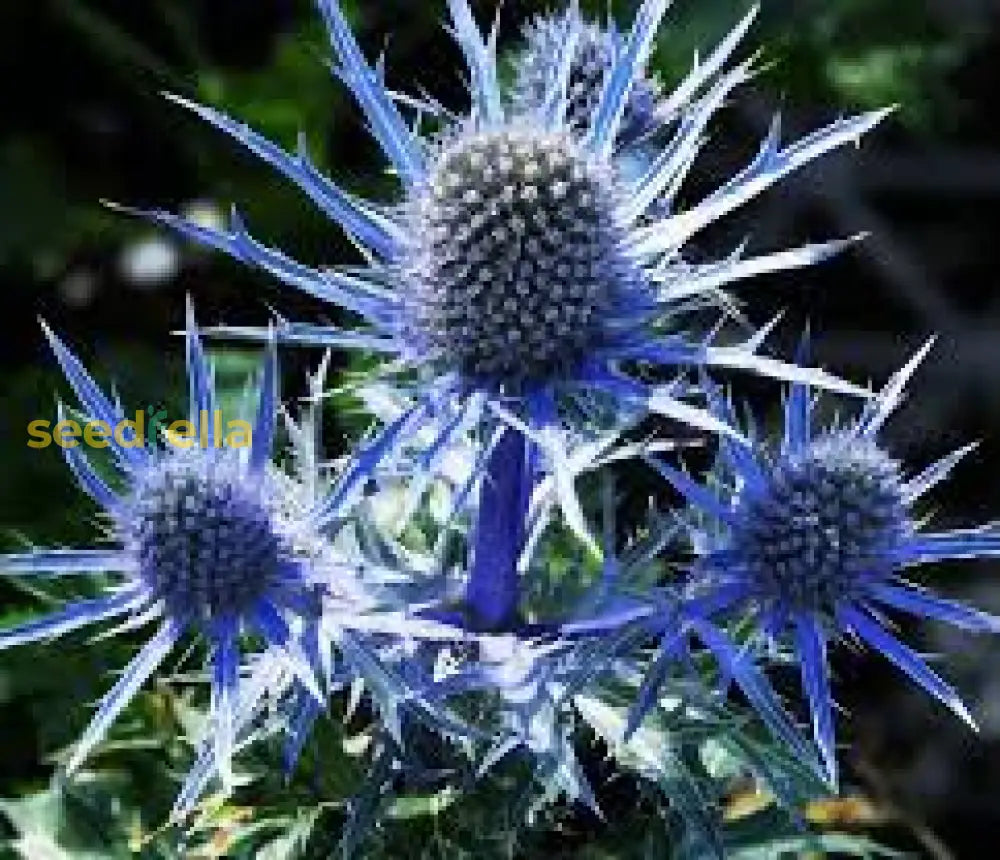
<point>139,432</point>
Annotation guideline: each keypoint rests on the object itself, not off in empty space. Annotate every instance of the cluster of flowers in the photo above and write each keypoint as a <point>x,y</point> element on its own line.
<point>531,296</point>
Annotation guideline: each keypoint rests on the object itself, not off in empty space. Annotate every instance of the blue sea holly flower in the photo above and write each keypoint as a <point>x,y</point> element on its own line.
<point>597,48</point>
<point>210,539</point>
<point>359,634</point>
<point>813,534</point>
<point>518,275</point>
<point>516,261</point>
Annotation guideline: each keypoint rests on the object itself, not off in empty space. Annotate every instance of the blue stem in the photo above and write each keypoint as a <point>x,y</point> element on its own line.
<point>494,589</point>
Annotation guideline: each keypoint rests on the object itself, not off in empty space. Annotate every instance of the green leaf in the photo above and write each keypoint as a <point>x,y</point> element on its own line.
<point>420,805</point>
<point>822,843</point>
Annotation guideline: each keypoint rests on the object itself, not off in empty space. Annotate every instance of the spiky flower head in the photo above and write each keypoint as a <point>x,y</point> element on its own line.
<point>518,259</point>
<point>207,539</point>
<point>521,267</point>
<point>212,538</point>
<point>823,523</point>
<point>596,52</point>
<point>811,535</point>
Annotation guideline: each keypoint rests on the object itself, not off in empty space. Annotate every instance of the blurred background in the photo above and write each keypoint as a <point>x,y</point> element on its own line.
<point>83,120</point>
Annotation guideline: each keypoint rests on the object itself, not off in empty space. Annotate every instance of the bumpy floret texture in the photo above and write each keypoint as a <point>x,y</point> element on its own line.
<point>205,536</point>
<point>595,54</point>
<point>518,253</point>
<point>822,524</point>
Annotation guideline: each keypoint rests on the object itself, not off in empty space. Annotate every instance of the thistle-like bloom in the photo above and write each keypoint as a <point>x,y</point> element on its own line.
<point>812,535</point>
<point>597,50</point>
<point>211,539</point>
<point>518,272</point>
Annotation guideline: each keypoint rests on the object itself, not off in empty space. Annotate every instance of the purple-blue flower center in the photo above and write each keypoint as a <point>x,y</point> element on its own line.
<point>823,523</point>
<point>205,536</point>
<point>517,254</point>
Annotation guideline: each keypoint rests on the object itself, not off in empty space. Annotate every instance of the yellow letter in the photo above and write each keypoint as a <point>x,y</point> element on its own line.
<point>96,433</point>
<point>38,431</point>
<point>181,434</point>
<point>65,434</point>
<point>139,426</point>
<point>239,434</point>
